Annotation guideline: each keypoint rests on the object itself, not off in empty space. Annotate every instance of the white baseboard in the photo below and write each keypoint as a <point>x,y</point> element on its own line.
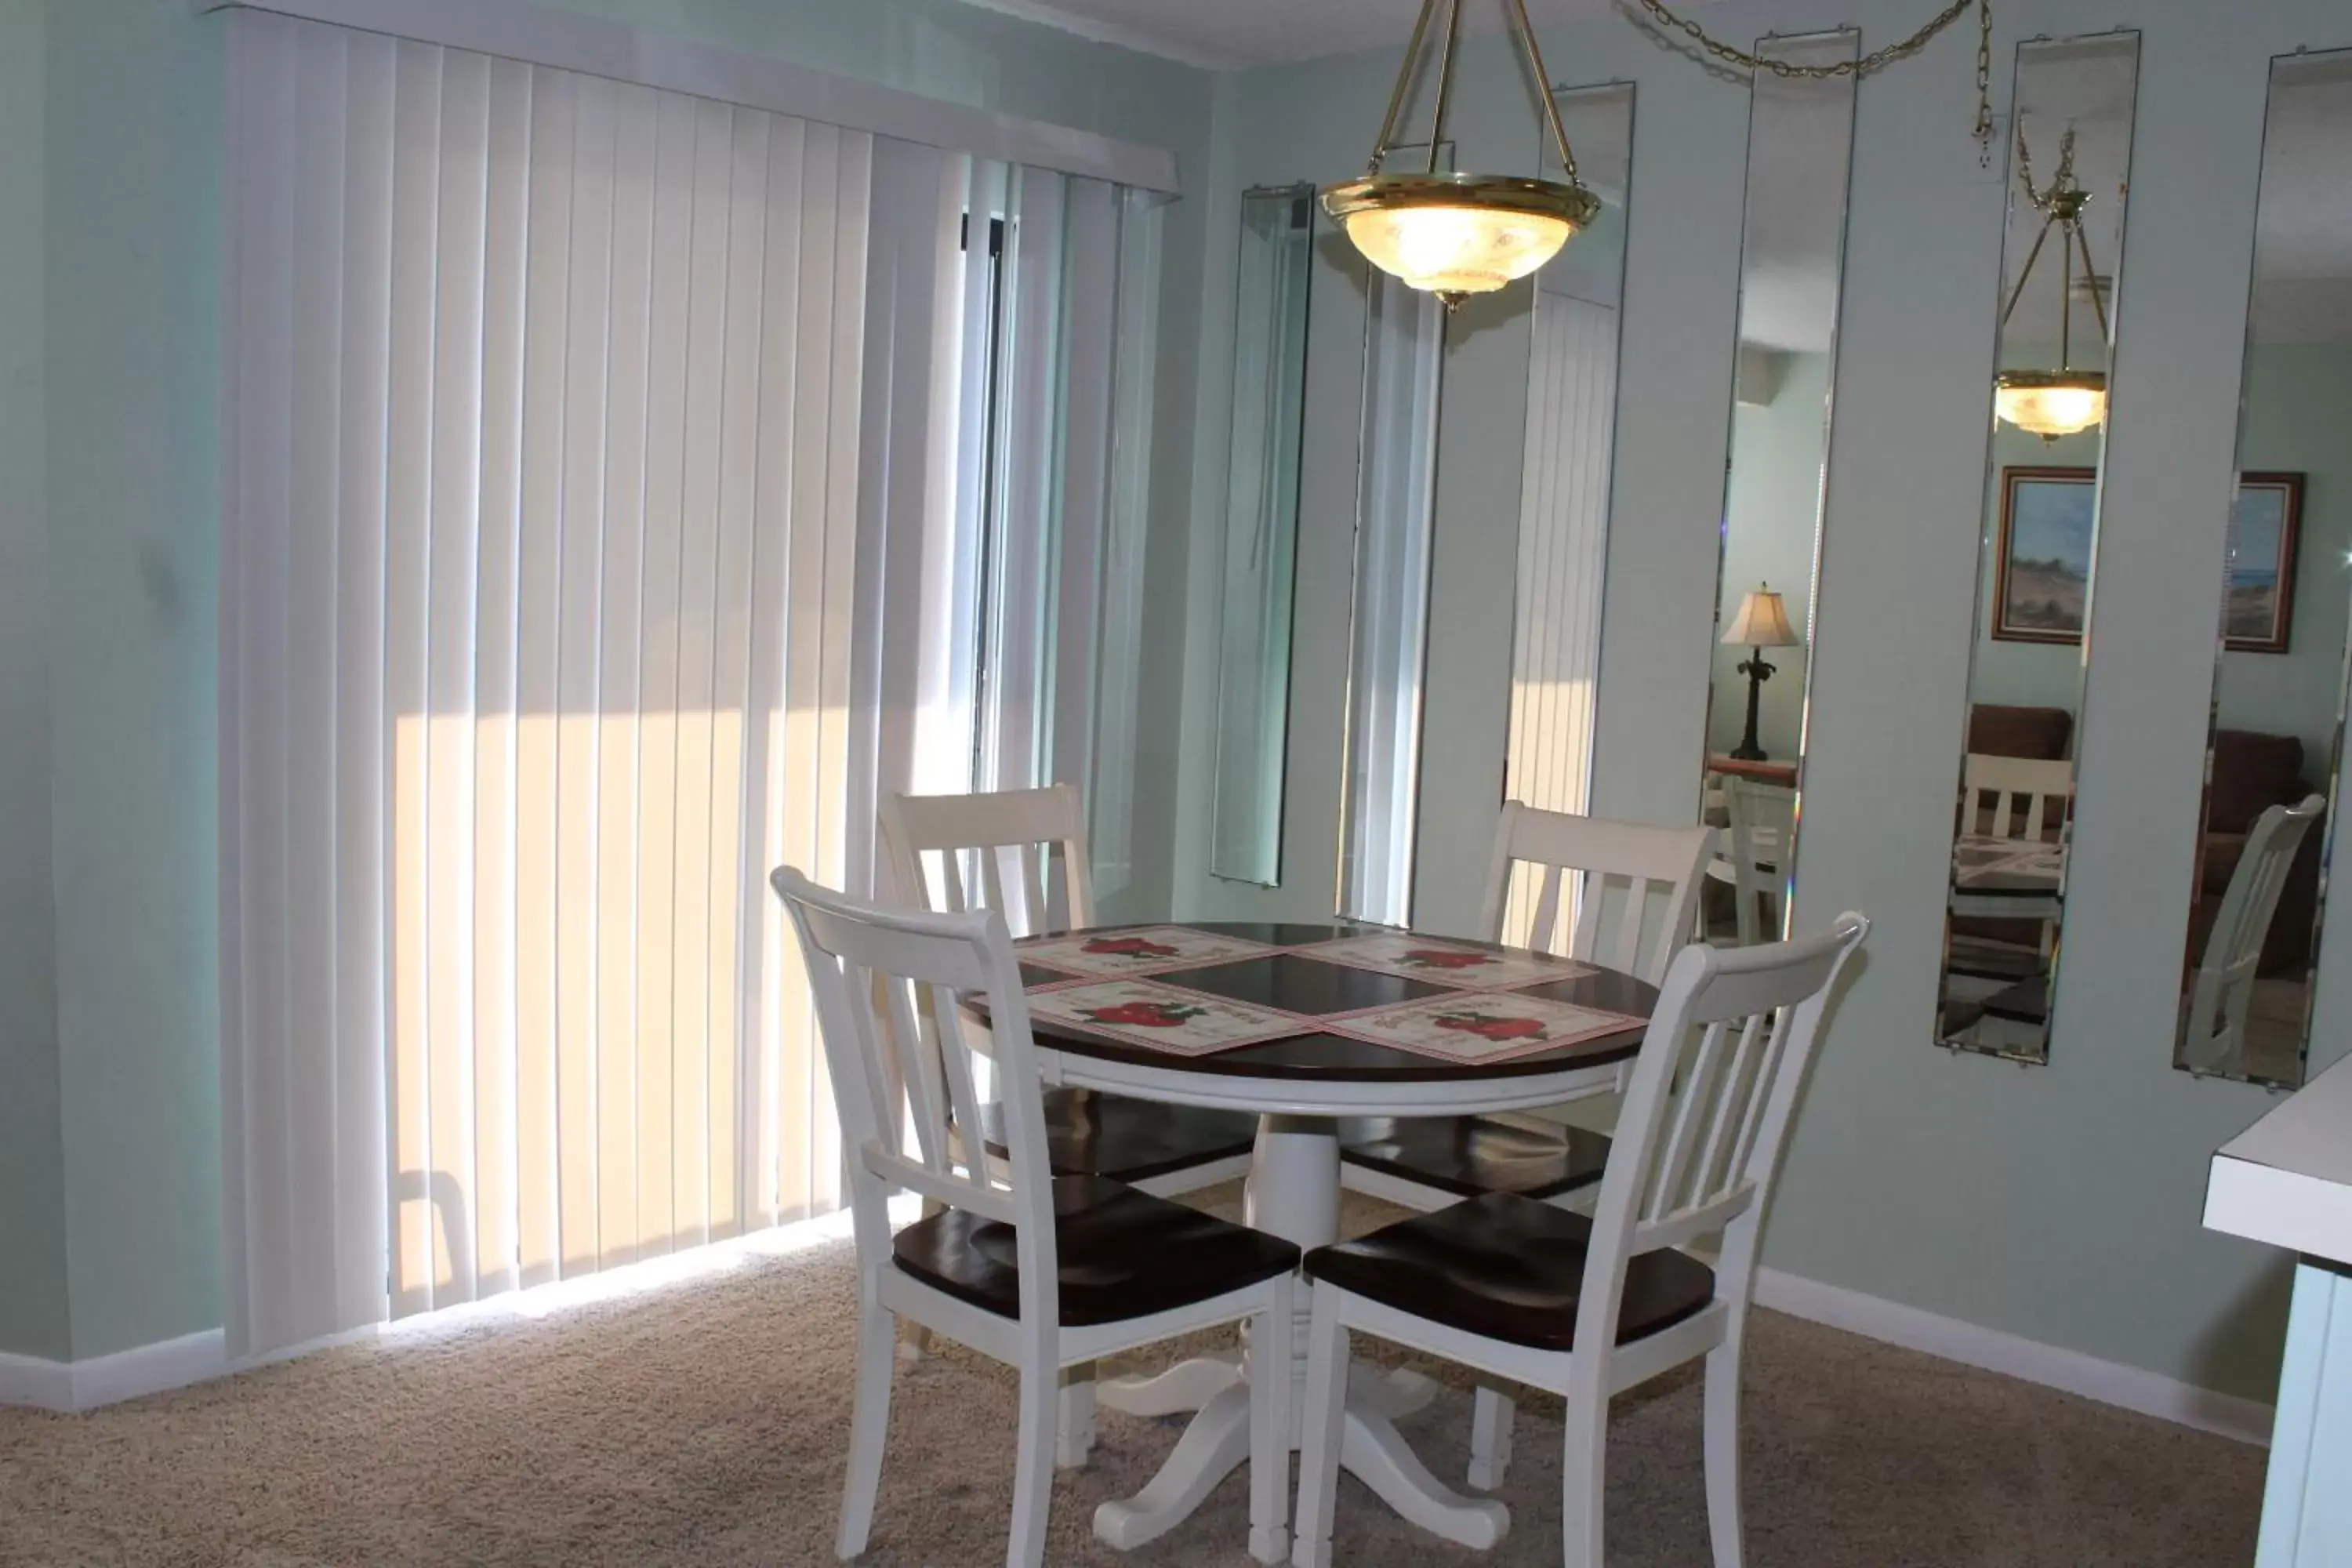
<point>1970,1344</point>
<point>28,1381</point>
<point>150,1369</point>
<point>72,1387</point>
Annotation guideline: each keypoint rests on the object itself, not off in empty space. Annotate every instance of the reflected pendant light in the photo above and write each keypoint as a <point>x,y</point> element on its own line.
<point>2062,402</point>
<point>1458,235</point>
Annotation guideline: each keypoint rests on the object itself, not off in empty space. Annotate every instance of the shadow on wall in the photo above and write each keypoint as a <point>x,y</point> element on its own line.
<point>2238,1348</point>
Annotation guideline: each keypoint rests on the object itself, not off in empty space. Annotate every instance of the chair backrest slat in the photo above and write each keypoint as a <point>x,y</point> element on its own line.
<point>2035,781</point>
<point>1699,1140</point>
<point>1690,1107</point>
<point>885,983</point>
<point>1039,829</point>
<point>1656,872</point>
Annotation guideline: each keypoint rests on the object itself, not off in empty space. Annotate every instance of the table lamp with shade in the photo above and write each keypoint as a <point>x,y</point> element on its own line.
<point>1762,622</point>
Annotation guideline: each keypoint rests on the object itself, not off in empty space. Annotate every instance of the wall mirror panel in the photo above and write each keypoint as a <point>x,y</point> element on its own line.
<point>2275,747</point>
<point>2014,806</point>
<point>1273,282</point>
<point>1564,485</point>
<point>1791,269</point>
<point>1388,637</point>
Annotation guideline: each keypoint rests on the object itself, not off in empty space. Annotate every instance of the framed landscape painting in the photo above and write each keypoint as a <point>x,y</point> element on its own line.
<point>2043,574</point>
<point>2259,614</point>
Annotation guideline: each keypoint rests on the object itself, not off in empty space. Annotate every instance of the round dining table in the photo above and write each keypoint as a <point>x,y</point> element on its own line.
<point>1303,1078</point>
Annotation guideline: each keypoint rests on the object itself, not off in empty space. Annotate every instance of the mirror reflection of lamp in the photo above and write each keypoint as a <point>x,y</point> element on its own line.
<point>1762,622</point>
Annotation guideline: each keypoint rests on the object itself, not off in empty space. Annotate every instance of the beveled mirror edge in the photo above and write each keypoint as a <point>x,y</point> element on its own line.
<point>2332,785</point>
<point>1852,36</point>
<point>1990,526</point>
<point>1279,804</point>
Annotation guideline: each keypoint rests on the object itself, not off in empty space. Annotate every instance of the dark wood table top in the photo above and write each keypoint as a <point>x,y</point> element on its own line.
<point>1298,981</point>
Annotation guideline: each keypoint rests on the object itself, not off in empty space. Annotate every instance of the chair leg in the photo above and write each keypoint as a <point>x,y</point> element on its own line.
<point>1270,1374</point>
<point>1318,1441</point>
<point>1074,1428</point>
<point>1583,1472</point>
<point>1490,1438</point>
<point>1033,1463</point>
<point>1722,1423</point>
<point>870,1426</point>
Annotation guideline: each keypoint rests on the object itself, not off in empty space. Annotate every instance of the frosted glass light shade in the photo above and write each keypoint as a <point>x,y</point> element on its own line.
<point>1457,235</point>
<point>1457,250</point>
<point>2051,403</point>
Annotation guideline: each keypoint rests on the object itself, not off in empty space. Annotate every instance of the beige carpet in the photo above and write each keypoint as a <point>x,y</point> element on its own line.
<point>707,1423</point>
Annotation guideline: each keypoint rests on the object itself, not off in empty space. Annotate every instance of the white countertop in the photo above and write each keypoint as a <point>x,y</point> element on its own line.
<point>2287,1180</point>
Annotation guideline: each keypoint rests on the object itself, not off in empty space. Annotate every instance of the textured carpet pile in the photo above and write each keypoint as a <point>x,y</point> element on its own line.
<point>708,1423</point>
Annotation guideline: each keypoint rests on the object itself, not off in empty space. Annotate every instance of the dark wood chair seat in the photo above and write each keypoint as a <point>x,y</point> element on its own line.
<point>1471,1155</point>
<point>1119,1254</point>
<point>1508,1267</point>
<point>1090,1133</point>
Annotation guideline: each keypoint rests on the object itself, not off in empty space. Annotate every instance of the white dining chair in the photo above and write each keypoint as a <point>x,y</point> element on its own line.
<point>1631,887</point>
<point>1587,1307</point>
<point>1631,893</point>
<point>1037,1270</point>
<point>2221,990</point>
<point>1023,853</point>
<point>2034,781</point>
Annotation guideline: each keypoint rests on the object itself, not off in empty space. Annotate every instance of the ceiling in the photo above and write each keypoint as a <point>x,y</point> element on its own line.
<point>1260,32</point>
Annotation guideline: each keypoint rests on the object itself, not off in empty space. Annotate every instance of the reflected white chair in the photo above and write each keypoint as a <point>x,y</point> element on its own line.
<point>1589,1308</point>
<point>2221,990</point>
<point>1038,1270</point>
<point>2035,781</point>
<point>1762,824</point>
<point>1023,853</point>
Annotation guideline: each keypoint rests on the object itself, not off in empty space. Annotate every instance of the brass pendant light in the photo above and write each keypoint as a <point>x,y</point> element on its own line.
<point>2062,402</point>
<point>1458,235</point>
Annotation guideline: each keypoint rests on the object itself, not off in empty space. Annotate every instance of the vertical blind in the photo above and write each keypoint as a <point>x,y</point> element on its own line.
<point>582,443</point>
<point>1563,550</point>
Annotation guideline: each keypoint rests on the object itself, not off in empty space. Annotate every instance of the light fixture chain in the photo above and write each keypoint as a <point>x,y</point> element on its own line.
<point>1878,60</point>
<point>1984,84</point>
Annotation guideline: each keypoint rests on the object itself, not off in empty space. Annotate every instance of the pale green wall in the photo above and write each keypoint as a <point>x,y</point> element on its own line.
<point>32,1158</point>
<point>134,156</point>
<point>128,146</point>
<point>2060,1203</point>
<point>1772,512</point>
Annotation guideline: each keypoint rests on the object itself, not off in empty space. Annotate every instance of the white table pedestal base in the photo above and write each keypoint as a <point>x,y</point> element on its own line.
<point>1294,1193</point>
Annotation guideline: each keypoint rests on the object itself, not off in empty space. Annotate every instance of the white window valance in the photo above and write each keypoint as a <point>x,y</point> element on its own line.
<point>594,47</point>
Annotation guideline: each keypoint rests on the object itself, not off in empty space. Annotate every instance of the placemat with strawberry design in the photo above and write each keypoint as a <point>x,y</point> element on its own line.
<point>1481,1026</point>
<point>1164,1017</point>
<point>1142,952</point>
<point>1447,962</point>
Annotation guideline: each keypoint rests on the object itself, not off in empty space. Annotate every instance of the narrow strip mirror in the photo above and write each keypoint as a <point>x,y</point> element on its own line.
<point>2014,807</point>
<point>1276,273</point>
<point>1396,489</point>
<point>1791,272</point>
<point>2275,744</point>
<point>1564,483</point>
